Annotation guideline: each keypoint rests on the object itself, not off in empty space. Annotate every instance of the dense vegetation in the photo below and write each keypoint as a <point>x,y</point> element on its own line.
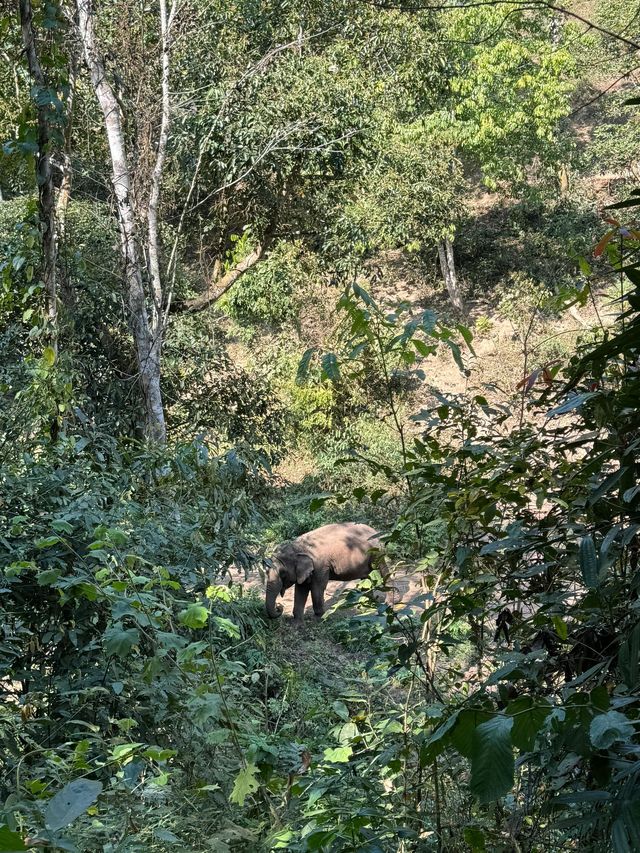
<point>269,265</point>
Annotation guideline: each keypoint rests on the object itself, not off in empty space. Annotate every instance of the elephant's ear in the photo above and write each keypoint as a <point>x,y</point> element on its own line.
<point>304,568</point>
<point>287,558</point>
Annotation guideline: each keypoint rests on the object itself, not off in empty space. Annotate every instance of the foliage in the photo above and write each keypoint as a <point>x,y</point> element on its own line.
<point>522,518</point>
<point>267,291</point>
<point>148,705</point>
<point>509,92</point>
<point>413,195</point>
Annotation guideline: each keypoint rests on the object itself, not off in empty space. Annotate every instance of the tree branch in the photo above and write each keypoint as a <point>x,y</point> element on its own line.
<point>220,287</point>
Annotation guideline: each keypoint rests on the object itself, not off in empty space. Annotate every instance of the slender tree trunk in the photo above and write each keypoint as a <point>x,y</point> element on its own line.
<point>156,177</point>
<point>448,267</point>
<point>64,192</point>
<point>44,175</point>
<point>148,344</point>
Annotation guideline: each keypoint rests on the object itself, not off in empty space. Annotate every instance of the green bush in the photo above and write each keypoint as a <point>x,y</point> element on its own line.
<point>267,293</point>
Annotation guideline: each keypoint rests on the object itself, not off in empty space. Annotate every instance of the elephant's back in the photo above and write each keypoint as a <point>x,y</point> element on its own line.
<point>342,530</point>
<point>346,543</point>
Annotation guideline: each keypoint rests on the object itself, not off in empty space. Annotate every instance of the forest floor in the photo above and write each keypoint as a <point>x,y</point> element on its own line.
<point>405,591</point>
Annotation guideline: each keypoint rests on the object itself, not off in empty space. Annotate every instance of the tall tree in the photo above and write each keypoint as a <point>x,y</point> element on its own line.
<point>147,327</point>
<point>44,100</point>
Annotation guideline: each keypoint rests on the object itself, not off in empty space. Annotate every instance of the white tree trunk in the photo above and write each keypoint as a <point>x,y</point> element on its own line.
<point>153,247</point>
<point>64,193</point>
<point>148,344</point>
<point>448,267</point>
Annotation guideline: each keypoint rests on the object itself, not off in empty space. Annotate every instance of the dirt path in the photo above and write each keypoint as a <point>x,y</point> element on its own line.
<point>407,591</point>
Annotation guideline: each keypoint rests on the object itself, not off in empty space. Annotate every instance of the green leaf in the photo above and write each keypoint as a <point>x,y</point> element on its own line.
<point>421,347</point>
<point>303,367</point>
<point>11,842</point>
<point>339,755</point>
<point>47,577</point>
<point>457,355</point>
<point>69,803</point>
<point>589,562</point>
<point>49,356</point>
<point>529,717</point>
<point>319,501</point>
<point>474,837</point>
<point>48,542</point>
<point>330,368</point>
<point>443,730</point>
<point>361,293</point>
<point>608,728</point>
<point>117,537</point>
<point>245,784</point>
<point>560,627</point>
<point>629,658</point>
<point>119,641</point>
<point>463,734</point>
<point>341,710</point>
<point>124,751</point>
<point>492,762</point>
<point>572,403</point>
<point>227,626</point>
<point>61,526</point>
<point>467,336</point>
<point>194,616</point>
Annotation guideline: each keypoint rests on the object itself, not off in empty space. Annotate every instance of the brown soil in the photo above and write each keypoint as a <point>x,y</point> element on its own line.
<point>405,592</point>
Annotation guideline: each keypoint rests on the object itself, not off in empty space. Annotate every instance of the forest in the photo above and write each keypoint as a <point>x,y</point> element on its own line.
<point>272,265</point>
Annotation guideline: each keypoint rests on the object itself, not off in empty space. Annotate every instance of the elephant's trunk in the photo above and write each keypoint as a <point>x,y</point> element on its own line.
<point>274,586</point>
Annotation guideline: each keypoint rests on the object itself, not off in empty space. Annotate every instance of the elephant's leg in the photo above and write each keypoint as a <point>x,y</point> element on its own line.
<point>299,601</point>
<point>317,596</point>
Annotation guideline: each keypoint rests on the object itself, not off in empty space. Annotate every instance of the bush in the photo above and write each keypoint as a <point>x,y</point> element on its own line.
<point>267,293</point>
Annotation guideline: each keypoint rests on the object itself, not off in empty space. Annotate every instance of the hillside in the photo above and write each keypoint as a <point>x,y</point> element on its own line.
<point>319,432</point>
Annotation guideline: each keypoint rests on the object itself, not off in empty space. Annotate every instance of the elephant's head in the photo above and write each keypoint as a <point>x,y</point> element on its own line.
<point>290,565</point>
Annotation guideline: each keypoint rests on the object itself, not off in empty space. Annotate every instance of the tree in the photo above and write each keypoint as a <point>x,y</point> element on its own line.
<point>508,88</point>
<point>147,329</point>
<point>47,105</point>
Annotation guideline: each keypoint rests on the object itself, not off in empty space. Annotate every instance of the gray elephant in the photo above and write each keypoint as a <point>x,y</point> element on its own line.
<point>336,552</point>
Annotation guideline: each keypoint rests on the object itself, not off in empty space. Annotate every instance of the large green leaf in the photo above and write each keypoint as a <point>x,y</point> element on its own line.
<point>69,803</point>
<point>245,784</point>
<point>589,562</point>
<point>608,728</point>
<point>529,716</point>
<point>492,762</point>
<point>330,368</point>
<point>303,367</point>
<point>119,641</point>
<point>629,658</point>
<point>462,735</point>
<point>194,616</point>
<point>338,754</point>
<point>11,842</point>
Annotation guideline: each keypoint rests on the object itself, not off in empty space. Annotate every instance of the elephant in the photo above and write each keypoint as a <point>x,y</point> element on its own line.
<point>340,552</point>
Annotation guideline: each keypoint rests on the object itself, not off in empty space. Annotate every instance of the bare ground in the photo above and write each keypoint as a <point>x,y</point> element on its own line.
<point>405,591</point>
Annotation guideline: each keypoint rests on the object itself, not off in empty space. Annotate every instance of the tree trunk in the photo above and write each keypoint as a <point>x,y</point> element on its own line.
<point>64,193</point>
<point>153,247</point>
<point>44,174</point>
<point>148,345</point>
<point>448,267</point>
<point>67,294</point>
